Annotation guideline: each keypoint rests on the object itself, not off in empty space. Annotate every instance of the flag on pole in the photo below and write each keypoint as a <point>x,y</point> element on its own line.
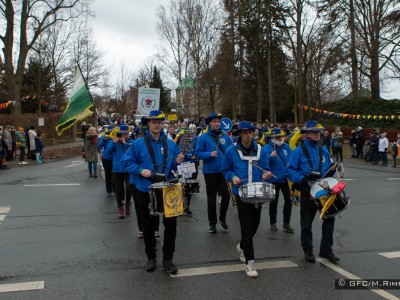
<point>79,104</point>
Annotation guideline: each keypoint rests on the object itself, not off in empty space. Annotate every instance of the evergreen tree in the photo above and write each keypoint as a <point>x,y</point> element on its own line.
<point>156,82</point>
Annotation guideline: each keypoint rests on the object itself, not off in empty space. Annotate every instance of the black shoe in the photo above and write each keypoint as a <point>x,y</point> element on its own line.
<point>188,212</point>
<point>329,256</point>
<point>213,229</point>
<point>288,228</point>
<point>309,256</point>
<point>223,224</point>
<point>151,265</point>
<point>170,267</point>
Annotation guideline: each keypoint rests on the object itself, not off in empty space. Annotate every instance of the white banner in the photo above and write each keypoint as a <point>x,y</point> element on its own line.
<point>148,100</point>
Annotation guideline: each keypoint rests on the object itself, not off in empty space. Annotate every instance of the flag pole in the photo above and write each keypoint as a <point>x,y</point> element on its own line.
<point>87,87</point>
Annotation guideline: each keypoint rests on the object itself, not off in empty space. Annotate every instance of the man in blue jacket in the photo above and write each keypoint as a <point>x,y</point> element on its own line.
<point>308,163</point>
<point>277,152</point>
<point>237,168</point>
<point>211,147</point>
<point>151,159</point>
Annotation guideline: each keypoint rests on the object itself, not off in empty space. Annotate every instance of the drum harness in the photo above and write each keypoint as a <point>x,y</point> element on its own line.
<point>153,158</point>
<point>313,174</point>
<point>250,160</point>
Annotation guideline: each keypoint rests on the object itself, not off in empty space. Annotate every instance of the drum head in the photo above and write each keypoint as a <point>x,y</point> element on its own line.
<point>317,186</point>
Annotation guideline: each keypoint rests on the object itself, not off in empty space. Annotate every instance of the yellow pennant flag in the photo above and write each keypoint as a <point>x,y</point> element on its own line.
<point>374,117</point>
<point>173,200</point>
<point>380,117</point>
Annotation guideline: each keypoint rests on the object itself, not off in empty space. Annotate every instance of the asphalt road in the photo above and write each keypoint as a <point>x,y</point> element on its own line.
<point>59,232</point>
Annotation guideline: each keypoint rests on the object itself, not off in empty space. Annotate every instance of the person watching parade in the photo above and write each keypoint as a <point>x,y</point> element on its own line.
<point>211,147</point>
<point>308,163</point>
<point>151,159</point>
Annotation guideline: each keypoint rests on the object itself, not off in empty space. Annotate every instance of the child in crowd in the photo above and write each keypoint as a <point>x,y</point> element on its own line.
<point>39,148</point>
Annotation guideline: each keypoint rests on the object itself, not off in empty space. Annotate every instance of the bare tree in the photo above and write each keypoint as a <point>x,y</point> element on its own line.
<point>25,21</point>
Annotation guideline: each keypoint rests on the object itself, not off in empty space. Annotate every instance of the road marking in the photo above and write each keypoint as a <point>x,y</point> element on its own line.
<point>393,178</point>
<point>232,268</point>
<point>4,209</point>
<point>23,286</point>
<point>349,275</point>
<point>73,165</point>
<point>52,184</point>
<point>2,217</point>
<point>395,254</point>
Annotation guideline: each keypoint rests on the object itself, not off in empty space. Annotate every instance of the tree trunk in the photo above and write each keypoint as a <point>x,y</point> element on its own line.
<point>259,89</point>
<point>353,54</point>
<point>272,109</point>
<point>299,62</point>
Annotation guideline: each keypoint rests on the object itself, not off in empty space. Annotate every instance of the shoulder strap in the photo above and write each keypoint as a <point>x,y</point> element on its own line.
<point>151,152</point>
<point>216,140</point>
<point>307,154</point>
<point>283,161</point>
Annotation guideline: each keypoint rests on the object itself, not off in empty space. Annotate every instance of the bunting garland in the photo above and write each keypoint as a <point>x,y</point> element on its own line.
<point>43,103</point>
<point>349,116</point>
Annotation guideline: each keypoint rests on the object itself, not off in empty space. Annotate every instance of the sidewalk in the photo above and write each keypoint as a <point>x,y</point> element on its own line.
<point>52,153</point>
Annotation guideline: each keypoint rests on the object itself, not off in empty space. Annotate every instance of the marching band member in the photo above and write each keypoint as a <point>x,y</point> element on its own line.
<point>152,158</point>
<point>107,163</point>
<point>189,157</point>
<point>307,163</point>
<point>277,152</point>
<point>115,150</point>
<point>239,170</point>
<point>211,147</point>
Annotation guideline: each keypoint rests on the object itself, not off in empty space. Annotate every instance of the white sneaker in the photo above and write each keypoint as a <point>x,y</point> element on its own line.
<point>24,163</point>
<point>241,253</point>
<point>20,163</point>
<point>251,271</point>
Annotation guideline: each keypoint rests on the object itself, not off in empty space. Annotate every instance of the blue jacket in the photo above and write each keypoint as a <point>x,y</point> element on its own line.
<point>234,166</point>
<point>298,166</point>
<point>278,167</point>
<point>102,145</point>
<point>206,144</point>
<point>116,151</point>
<point>138,158</point>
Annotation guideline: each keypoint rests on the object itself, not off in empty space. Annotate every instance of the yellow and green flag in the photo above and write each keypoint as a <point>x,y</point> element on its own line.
<point>79,104</point>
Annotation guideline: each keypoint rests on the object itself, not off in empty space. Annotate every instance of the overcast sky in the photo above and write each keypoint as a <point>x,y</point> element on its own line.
<point>125,30</point>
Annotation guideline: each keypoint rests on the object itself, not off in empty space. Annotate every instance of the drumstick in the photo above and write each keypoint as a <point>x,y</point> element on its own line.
<point>174,156</point>
<point>263,170</point>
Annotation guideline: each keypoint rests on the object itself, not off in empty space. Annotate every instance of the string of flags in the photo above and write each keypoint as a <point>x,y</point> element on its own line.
<point>43,103</point>
<point>349,116</point>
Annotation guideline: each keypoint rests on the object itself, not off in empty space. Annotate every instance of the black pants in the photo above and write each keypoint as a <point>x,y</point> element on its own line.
<point>215,183</point>
<point>360,150</point>
<point>338,153</point>
<point>136,203</point>
<point>249,219</point>
<point>287,207</point>
<point>122,189</point>
<point>21,153</point>
<point>148,229</point>
<point>110,186</point>
<point>187,195</point>
<point>308,210</point>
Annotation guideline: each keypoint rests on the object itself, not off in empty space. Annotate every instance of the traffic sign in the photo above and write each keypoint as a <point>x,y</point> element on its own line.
<point>226,124</point>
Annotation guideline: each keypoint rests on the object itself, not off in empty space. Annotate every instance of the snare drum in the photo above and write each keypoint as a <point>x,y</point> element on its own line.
<point>166,199</point>
<point>191,186</point>
<point>325,187</point>
<point>257,192</point>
